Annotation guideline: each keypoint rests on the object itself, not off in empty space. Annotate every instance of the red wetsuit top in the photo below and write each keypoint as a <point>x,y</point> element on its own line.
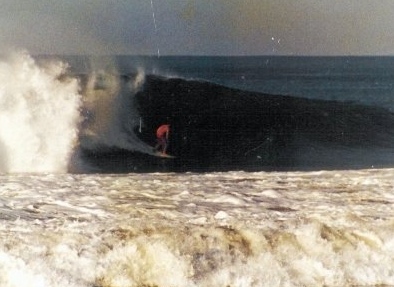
<point>162,131</point>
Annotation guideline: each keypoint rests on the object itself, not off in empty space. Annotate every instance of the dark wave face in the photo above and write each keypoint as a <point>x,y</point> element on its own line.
<point>215,128</point>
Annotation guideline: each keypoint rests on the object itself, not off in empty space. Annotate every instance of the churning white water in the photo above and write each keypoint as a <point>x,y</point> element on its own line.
<point>39,115</point>
<point>329,228</point>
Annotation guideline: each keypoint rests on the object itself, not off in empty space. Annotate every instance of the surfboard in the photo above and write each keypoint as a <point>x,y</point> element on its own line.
<point>163,155</point>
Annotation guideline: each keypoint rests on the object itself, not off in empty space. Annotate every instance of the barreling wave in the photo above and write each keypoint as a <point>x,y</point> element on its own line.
<point>103,121</point>
<point>215,128</point>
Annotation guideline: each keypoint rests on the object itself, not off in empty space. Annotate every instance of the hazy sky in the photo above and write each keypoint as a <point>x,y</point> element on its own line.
<point>199,27</point>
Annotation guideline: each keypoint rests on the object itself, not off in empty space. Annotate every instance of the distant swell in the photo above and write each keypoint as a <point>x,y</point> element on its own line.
<point>215,128</point>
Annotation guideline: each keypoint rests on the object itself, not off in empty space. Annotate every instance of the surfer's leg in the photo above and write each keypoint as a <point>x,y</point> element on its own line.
<point>161,145</point>
<point>165,147</point>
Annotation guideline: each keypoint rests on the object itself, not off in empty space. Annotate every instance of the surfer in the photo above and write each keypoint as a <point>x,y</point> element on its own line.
<point>162,134</point>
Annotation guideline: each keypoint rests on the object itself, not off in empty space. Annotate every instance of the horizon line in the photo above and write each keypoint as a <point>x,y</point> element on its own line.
<point>206,56</point>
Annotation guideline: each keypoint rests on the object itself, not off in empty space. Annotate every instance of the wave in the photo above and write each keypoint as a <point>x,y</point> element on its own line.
<point>53,120</point>
<point>215,128</point>
<point>50,114</point>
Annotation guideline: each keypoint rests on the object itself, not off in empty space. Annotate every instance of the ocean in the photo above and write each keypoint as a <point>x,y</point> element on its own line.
<point>281,176</point>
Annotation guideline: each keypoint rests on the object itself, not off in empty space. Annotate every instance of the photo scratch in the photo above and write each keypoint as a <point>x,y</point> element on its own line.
<point>154,23</point>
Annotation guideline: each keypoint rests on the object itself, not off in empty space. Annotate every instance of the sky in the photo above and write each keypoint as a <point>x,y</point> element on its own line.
<point>198,27</point>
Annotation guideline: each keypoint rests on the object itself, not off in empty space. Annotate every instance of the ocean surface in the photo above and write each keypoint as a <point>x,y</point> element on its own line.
<point>281,176</point>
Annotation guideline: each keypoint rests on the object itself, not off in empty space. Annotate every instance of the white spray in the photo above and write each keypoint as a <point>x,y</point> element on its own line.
<point>39,115</point>
<point>112,119</point>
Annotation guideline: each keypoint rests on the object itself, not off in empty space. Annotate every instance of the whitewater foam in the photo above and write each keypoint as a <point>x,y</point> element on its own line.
<point>39,115</point>
<point>317,229</point>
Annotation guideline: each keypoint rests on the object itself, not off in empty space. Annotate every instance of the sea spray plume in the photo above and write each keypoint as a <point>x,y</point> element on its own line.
<point>100,90</point>
<point>138,81</point>
<point>39,115</point>
<point>135,85</point>
<point>110,116</point>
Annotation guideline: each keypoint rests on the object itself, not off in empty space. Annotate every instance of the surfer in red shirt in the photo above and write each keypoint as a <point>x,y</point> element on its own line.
<point>162,134</point>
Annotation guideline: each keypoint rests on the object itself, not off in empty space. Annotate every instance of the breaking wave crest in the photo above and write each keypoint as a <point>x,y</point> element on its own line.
<point>48,113</point>
<point>39,115</point>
